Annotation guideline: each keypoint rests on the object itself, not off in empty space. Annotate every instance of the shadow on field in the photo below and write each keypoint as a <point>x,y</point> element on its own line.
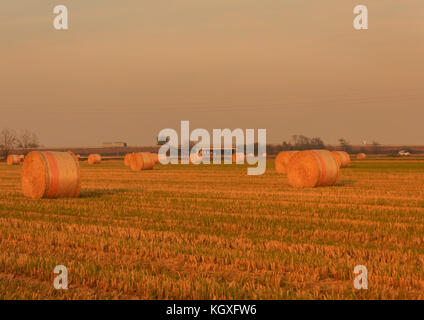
<point>98,193</point>
<point>345,183</point>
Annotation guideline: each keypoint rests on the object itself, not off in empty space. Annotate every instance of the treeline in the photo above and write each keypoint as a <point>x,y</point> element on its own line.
<point>10,140</point>
<point>297,142</point>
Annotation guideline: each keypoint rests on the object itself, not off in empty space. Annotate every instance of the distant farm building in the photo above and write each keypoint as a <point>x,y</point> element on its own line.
<point>114,144</point>
<point>218,151</point>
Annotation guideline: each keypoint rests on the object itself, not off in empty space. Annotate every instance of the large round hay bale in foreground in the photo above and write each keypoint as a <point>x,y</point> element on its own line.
<point>313,168</point>
<point>361,156</point>
<point>13,160</point>
<point>94,158</point>
<point>141,161</point>
<point>282,160</point>
<point>342,158</point>
<point>127,159</point>
<point>50,174</point>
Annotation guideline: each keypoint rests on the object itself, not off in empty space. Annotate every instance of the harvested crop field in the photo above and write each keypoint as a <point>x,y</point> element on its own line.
<point>213,232</point>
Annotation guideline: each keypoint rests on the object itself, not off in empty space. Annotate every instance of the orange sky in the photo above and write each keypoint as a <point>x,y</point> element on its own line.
<point>127,69</point>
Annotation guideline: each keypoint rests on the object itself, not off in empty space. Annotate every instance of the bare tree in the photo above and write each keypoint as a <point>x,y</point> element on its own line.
<point>345,145</point>
<point>28,139</point>
<point>8,141</point>
<point>300,142</point>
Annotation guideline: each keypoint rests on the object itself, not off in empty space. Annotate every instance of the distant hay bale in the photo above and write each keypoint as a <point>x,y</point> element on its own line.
<point>195,158</point>
<point>155,157</point>
<point>361,156</point>
<point>282,160</point>
<point>250,157</point>
<point>13,159</point>
<point>238,157</point>
<point>313,168</point>
<point>342,158</point>
<point>162,157</point>
<point>78,157</point>
<point>51,175</point>
<point>127,159</point>
<point>142,161</point>
<point>94,158</point>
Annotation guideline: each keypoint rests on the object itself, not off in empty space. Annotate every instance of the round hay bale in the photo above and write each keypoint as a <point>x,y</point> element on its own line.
<point>250,157</point>
<point>361,156</point>
<point>342,158</point>
<point>94,158</point>
<point>313,168</point>
<point>155,157</point>
<point>13,159</point>
<point>142,161</point>
<point>238,157</point>
<point>127,159</point>
<point>162,157</point>
<point>195,158</point>
<point>47,174</point>
<point>282,160</point>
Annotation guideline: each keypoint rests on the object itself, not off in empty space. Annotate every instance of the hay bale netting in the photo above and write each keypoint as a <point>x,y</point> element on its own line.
<point>342,158</point>
<point>142,161</point>
<point>47,174</point>
<point>314,168</point>
<point>282,160</point>
<point>361,156</point>
<point>13,159</point>
<point>94,158</point>
<point>127,159</point>
<point>238,157</point>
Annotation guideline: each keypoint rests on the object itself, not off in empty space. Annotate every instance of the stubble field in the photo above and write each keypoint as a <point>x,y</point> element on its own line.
<point>213,232</point>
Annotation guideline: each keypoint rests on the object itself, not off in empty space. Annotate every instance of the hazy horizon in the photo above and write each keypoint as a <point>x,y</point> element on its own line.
<point>126,70</point>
